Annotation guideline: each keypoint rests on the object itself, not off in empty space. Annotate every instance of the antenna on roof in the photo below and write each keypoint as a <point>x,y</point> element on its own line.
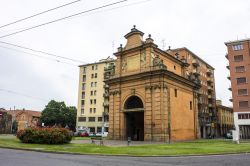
<point>113,46</point>
<point>163,44</point>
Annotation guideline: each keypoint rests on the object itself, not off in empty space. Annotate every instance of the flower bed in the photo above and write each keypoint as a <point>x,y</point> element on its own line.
<point>45,135</point>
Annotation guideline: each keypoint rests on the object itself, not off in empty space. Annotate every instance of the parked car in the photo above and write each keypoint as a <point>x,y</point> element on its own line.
<point>81,133</point>
<point>229,135</point>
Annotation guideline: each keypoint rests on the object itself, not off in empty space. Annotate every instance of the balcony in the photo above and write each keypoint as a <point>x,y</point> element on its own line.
<point>109,67</point>
<point>228,67</point>
<point>228,77</point>
<point>105,104</point>
<point>231,99</point>
<point>226,56</point>
<point>209,71</point>
<point>105,86</point>
<point>210,105</point>
<point>210,88</point>
<point>230,88</point>
<point>196,72</point>
<point>210,80</point>
<point>105,95</point>
<point>210,96</point>
<point>195,63</point>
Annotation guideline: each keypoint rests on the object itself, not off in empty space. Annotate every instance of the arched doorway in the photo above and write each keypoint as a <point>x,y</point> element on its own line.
<point>134,114</point>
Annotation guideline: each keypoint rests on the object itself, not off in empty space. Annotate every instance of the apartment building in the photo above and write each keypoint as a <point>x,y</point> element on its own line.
<point>239,66</point>
<point>204,72</point>
<point>151,97</point>
<point>225,118</point>
<point>92,109</point>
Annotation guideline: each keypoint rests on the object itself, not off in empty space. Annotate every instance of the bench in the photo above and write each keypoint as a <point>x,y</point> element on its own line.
<point>96,139</point>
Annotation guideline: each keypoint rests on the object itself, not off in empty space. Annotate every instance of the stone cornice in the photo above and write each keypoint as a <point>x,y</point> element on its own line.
<point>154,73</point>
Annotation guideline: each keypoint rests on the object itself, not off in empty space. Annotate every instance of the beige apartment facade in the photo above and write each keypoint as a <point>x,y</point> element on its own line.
<point>92,108</point>
<point>239,66</point>
<point>225,118</point>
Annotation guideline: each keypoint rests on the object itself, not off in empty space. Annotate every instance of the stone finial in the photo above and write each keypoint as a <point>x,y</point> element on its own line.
<point>149,39</point>
<point>169,47</point>
<point>119,48</point>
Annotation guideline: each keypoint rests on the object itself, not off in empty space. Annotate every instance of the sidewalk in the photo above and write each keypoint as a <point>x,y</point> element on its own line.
<point>116,142</point>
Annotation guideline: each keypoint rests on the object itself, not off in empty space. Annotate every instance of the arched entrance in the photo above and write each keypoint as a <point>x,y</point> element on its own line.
<point>134,114</point>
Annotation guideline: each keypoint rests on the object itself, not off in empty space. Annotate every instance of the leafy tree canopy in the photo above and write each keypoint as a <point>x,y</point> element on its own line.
<point>58,114</point>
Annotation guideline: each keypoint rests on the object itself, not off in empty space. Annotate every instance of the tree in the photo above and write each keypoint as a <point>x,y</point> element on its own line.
<point>58,114</point>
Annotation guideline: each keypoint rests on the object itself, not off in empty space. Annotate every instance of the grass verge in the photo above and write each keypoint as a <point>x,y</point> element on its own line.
<point>198,147</point>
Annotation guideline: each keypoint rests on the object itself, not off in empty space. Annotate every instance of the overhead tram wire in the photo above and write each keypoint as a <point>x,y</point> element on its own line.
<point>43,52</point>
<point>48,58</point>
<point>63,18</point>
<point>21,94</point>
<point>38,14</point>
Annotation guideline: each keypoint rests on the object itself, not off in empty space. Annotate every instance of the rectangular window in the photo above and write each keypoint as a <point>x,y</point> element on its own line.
<point>90,110</point>
<point>92,75</point>
<point>175,92</point>
<point>83,86</point>
<point>82,119</point>
<point>99,129</point>
<point>238,58</point>
<point>82,110</point>
<point>94,110</point>
<point>91,101</point>
<point>95,75</point>
<point>237,47</point>
<point>82,102</point>
<point>92,129</point>
<point>83,95</point>
<point>191,105</point>
<point>91,93</point>
<point>96,67</point>
<point>84,70</point>
<point>243,104</point>
<point>243,116</point>
<point>95,92</point>
<point>242,92</point>
<point>99,119</point>
<point>92,84</point>
<point>93,67</point>
<point>83,78</point>
<point>91,119</point>
<point>241,80</point>
<point>94,101</point>
<point>95,84</point>
<point>240,69</point>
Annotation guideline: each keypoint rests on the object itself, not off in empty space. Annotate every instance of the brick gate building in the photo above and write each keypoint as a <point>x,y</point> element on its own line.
<point>152,96</point>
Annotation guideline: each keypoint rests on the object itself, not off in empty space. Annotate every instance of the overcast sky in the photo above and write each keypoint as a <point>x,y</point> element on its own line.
<point>202,26</point>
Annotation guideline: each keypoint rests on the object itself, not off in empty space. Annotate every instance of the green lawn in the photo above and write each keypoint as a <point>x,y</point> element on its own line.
<point>198,147</point>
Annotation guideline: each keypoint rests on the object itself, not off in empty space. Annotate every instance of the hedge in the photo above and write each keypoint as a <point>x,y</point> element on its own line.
<point>45,135</point>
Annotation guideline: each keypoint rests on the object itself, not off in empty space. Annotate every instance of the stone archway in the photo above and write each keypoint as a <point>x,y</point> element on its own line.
<point>134,115</point>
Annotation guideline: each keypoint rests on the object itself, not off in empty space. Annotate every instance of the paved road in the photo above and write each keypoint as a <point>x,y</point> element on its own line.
<point>26,158</point>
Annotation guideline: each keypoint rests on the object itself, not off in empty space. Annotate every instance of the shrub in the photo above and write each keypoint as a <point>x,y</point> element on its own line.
<point>45,135</point>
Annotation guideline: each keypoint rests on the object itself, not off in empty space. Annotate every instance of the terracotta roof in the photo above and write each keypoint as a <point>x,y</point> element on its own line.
<point>31,112</point>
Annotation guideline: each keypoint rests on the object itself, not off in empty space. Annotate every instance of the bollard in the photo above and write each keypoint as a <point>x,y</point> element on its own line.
<point>129,140</point>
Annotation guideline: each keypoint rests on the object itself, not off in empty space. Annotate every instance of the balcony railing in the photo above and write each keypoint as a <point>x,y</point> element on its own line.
<point>196,72</point>
<point>209,71</point>
<point>210,80</point>
<point>105,104</point>
<point>105,86</point>
<point>228,77</point>
<point>230,88</point>
<point>195,63</point>
<point>226,56</point>
<point>228,67</point>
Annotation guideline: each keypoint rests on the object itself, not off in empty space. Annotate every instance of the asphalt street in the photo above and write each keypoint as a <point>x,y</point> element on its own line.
<point>9,157</point>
